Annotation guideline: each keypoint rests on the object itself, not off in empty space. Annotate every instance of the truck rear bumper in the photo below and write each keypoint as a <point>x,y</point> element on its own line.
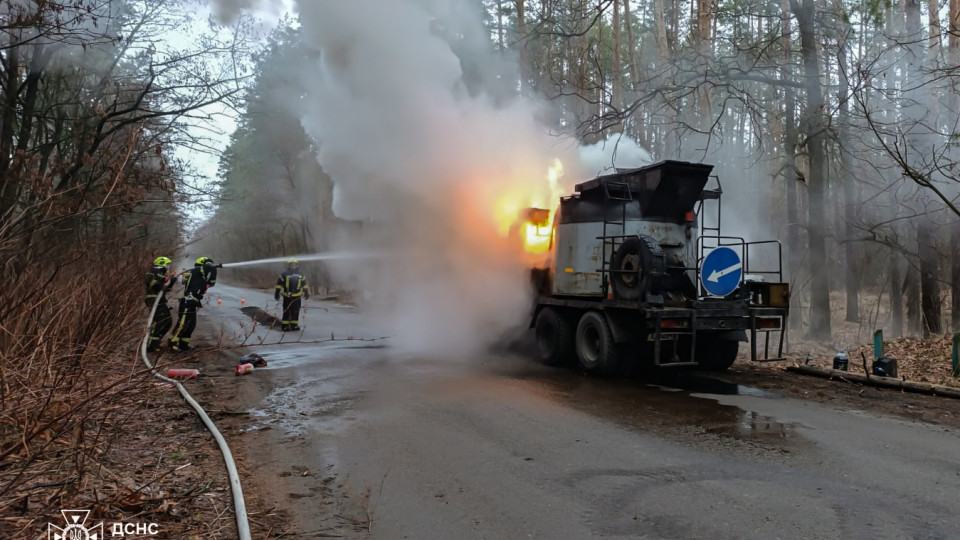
<point>739,323</point>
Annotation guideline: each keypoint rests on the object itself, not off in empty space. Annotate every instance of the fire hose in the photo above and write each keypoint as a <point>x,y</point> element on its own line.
<point>243,526</point>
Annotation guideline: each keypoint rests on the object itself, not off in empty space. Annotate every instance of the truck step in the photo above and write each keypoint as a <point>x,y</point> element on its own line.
<point>678,364</point>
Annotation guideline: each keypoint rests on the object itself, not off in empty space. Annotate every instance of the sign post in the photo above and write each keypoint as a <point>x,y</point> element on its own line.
<point>721,271</point>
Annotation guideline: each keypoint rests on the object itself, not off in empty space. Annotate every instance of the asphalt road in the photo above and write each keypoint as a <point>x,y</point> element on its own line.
<point>351,440</point>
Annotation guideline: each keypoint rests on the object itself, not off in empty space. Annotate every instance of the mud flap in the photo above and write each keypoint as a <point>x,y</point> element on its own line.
<point>620,327</point>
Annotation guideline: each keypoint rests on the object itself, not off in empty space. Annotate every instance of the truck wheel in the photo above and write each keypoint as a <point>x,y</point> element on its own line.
<point>717,354</point>
<point>634,265</point>
<point>554,337</point>
<point>596,350</point>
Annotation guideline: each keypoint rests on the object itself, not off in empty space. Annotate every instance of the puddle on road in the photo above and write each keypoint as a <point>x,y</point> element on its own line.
<point>674,402</point>
<point>313,396</point>
<point>289,354</point>
<point>316,407</point>
<point>704,385</point>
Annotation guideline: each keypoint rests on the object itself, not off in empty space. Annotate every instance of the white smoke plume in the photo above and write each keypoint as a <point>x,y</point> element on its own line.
<point>438,169</point>
<point>617,152</point>
<point>228,11</point>
<point>417,123</point>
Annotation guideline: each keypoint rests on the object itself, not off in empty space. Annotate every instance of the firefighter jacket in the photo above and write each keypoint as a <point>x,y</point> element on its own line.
<point>292,285</point>
<point>197,280</point>
<point>159,282</point>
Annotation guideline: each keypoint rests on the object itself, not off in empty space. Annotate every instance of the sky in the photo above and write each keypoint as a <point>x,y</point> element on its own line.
<point>267,14</point>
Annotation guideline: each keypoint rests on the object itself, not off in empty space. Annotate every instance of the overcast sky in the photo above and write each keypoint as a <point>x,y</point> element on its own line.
<point>224,123</point>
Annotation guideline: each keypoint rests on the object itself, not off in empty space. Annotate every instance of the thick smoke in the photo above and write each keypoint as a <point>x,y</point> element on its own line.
<point>621,151</point>
<point>228,11</point>
<point>431,152</point>
<point>437,170</point>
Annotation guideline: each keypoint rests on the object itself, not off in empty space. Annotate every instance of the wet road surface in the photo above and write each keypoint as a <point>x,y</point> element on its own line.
<point>352,440</point>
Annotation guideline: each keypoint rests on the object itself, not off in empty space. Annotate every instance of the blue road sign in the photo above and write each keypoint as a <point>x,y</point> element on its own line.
<point>721,271</point>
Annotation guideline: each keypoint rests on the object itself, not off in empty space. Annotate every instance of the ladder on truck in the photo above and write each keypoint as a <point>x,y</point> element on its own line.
<point>621,194</point>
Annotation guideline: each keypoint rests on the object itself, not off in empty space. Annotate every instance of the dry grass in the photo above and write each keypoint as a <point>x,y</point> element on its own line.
<point>71,383</point>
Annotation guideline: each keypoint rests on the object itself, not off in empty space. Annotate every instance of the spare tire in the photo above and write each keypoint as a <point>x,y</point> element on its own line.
<point>636,268</point>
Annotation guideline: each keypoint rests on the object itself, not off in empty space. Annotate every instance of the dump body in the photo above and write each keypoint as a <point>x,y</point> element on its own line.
<point>579,255</point>
<point>626,279</point>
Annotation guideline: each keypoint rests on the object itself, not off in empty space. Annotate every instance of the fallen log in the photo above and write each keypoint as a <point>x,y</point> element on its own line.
<point>874,380</point>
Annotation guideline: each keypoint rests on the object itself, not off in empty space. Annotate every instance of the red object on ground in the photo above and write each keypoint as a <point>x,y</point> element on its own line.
<point>179,373</point>
<point>243,369</point>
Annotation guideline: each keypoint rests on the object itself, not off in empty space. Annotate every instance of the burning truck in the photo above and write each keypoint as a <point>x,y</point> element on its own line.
<point>633,274</point>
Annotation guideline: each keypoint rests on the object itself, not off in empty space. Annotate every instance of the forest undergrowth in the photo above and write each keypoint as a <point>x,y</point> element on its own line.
<point>83,423</point>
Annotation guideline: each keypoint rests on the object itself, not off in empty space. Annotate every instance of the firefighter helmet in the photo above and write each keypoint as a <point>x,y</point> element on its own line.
<point>204,261</point>
<point>161,261</point>
<point>292,261</point>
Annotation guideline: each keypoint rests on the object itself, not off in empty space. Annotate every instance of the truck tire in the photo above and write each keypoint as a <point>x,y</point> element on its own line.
<point>554,337</point>
<point>597,352</point>
<point>716,354</point>
<point>637,265</point>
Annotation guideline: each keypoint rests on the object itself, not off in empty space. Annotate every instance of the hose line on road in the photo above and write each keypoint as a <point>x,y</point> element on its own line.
<point>243,526</point>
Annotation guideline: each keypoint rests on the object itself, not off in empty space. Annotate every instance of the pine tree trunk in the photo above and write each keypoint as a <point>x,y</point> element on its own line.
<point>705,47</point>
<point>500,25</point>
<point>849,198</point>
<point>790,172</point>
<point>933,20</point>
<point>920,112</point>
<point>616,83</point>
<point>813,128</point>
<point>929,275</point>
<point>896,295</point>
<point>888,83</point>
<point>955,279</point>
<point>522,45</point>
<point>911,289</point>
<point>631,47</point>
<point>954,56</point>
<point>667,140</point>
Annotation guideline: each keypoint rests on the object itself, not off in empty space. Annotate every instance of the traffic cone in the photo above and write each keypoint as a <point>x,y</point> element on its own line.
<point>219,301</point>
<point>243,301</point>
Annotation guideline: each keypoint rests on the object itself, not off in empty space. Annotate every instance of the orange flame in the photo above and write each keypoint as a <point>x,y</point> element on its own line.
<point>536,238</point>
<point>526,213</point>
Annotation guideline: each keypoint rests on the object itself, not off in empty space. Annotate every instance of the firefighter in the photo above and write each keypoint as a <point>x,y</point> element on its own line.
<point>159,281</point>
<point>292,285</point>
<point>196,281</point>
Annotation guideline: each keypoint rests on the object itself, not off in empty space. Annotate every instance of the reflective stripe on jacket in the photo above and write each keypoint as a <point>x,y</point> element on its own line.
<point>291,284</point>
<point>158,281</point>
<point>196,281</point>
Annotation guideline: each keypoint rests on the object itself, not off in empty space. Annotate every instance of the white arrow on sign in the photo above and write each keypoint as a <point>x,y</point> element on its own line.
<point>717,274</point>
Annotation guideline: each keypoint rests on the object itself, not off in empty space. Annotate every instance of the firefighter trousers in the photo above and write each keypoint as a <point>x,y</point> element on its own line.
<point>291,313</point>
<point>186,323</point>
<point>162,322</point>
